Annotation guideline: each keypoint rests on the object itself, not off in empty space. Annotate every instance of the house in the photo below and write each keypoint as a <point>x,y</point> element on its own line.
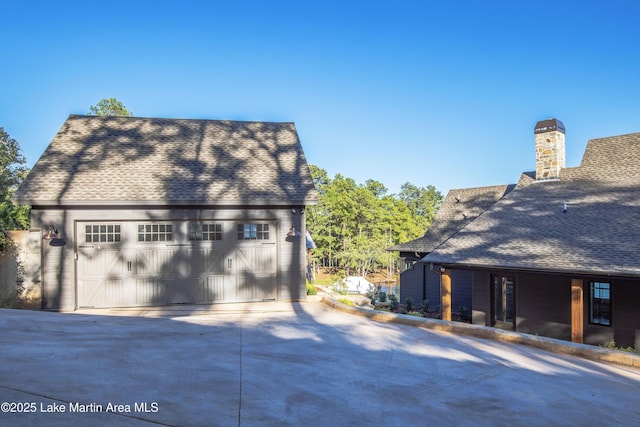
<point>419,281</point>
<point>150,211</point>
<point>559,255</point>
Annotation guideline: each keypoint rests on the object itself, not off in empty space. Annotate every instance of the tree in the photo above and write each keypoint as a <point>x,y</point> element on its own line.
<point>12,172</point>
<point>353,224</point>
<point>109,107</point>
<point>423,202</point>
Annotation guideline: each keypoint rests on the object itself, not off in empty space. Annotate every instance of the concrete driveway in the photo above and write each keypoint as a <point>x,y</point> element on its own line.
<point>277,364</point>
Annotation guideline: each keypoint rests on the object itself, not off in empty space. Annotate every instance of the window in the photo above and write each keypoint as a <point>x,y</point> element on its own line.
<point>155,232</point>
<point>102,233</point>
<point>253,231</point>
<point>408,264</point>
<point>600,303</point>
<point>200,231</point>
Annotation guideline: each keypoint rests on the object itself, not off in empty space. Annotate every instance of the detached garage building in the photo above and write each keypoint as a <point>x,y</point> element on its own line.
<point>144,211</point>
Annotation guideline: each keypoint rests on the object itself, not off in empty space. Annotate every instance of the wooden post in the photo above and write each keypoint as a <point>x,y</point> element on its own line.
<point>445,287</point>
<point>577,310</point>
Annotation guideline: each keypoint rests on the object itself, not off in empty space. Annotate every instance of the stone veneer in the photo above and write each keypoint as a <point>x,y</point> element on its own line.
<point>550,151</point>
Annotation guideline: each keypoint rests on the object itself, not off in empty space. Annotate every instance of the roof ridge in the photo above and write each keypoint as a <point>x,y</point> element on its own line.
<point>175,118</point>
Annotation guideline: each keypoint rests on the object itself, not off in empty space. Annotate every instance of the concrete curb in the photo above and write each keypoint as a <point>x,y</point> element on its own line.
<point>584,351</point>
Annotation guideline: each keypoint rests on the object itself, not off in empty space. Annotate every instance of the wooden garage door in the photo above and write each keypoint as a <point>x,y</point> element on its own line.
<point>123,264</point>
<point>254,262</point>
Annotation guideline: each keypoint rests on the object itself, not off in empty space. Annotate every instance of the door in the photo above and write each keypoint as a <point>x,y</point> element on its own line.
<point>504,312</point>
<point>104,275</point>
<point>252,264</point>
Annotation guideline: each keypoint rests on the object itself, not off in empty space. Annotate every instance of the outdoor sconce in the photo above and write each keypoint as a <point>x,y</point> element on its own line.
<point>51,233</point>
<point>437,269</point>
<point>292,232</point>
<point>297,211</point>
<point>54,237</point>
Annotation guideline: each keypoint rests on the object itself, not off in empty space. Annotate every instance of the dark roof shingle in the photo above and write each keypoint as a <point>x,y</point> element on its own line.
<point>458,209</point>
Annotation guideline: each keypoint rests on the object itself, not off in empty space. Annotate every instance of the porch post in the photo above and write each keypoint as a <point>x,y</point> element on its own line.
<point>577,310</point>
<point>445,288</point>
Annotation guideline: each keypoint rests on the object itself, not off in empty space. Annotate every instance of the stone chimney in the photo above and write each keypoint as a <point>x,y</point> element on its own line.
<point>550,156</point>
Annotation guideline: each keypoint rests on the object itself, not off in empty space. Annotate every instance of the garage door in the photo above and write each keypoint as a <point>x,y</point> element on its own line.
<point>124,264</point>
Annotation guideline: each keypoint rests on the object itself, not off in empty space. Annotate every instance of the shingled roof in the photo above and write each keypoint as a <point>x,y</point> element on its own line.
<point>458,209</point>
<point>154,161</point>
<point>529,229</point>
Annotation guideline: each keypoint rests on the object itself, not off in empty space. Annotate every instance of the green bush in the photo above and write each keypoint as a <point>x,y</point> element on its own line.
<point>372,294</point>
<point>382,296</point>
<point>409,304</point>
<point>345,301</point>
<point>10,300</point>
<point>393,299</point>
<point>311,289</point>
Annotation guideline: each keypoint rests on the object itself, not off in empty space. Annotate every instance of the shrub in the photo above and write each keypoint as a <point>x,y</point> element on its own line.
<point>382,296</point>
<point>464,314</point>
<point>372,293</point>
<point>345,301</point>
<point>11,300</point>
<point>393,299</point>
<point>409,304</point>
<point>311,289</point>
<point>424,305</point>
<point>611,345</point>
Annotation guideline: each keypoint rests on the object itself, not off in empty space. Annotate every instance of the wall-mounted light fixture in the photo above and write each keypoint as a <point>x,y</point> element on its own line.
<point>437,268</point>
<point>293,232</point>
<point>299,210</point>
<point>54,236</point>
<point>50,233</point>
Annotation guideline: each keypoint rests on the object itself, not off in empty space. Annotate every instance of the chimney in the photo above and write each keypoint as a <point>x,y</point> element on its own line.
<point>549,149</point>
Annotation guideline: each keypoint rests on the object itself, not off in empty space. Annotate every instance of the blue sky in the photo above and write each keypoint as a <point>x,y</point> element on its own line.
<point>432,93</point>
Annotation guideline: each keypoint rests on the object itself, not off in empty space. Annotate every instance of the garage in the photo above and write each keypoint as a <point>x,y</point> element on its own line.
<point>124,263</point>
<point>155,211</point>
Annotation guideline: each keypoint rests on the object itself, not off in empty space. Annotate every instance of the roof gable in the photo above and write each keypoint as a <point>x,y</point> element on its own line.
<point>132,160</point>
<point>458,209</point>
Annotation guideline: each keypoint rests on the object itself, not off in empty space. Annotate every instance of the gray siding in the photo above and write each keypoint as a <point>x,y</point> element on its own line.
<point>461,289</point>
<point>626,313</point>
<point>420,283</point>
<point>481,312</point>
<point>543,307</point>
<point>433,291</point>
<point>411,283</point>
